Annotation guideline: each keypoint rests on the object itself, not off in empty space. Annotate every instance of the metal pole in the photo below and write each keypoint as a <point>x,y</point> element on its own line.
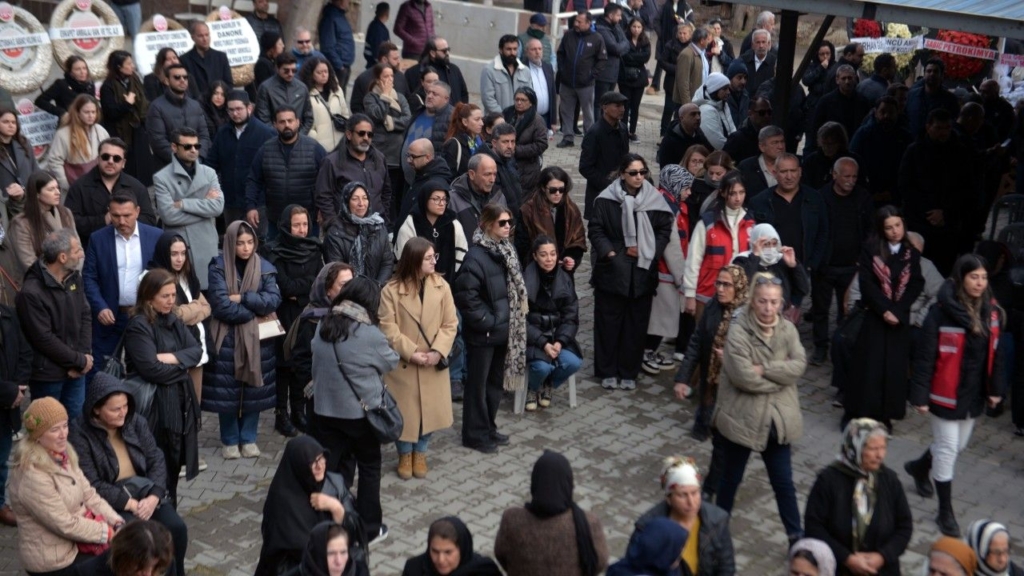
<point>784,65</point>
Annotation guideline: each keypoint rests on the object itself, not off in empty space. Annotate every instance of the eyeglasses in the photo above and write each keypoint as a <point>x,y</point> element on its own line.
<point>761,280</point>
<point>763,113</point>
<point>443,50</point>
<point>441,200</point>
<point>188,147</point>
<point>720,284</point>
<point>432,258</point>
<point>288,70</point>
<point>115,158</point>
<point>303,41</point>
<point>363,133</point>
<point>505,222</point>
<point>410,155</point>
<point>636,172</point>
<point>552,190</point>
<point>179,76</point>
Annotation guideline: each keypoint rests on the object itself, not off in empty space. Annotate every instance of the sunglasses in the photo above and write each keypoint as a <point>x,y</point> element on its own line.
<point>505,222</point>
<point>188,147</point>
<point>552,190</point>
<point>116,159</point>
<point>303,41</point>
<point>179,76</point>
<point>443,50</point>
<point>763,113</point>
<point>636,172</point>
<point>363,133</point>
<point>288,70</point>
<point>762,280</point>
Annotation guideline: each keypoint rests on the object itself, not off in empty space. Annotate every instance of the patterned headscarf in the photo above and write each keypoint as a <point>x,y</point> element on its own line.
<point>739,280</point>
<point>674,178</point>
<point>857,433</point>
<point>979,536</point>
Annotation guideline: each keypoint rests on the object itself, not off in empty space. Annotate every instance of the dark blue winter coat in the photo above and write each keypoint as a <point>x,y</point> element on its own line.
<point>222,393</point>
<point>232,157</point>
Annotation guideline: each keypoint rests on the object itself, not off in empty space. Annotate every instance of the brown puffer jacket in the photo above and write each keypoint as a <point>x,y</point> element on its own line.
<point>749,404</point>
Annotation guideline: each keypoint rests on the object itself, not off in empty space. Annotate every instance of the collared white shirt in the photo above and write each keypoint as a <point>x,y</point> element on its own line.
<point>769,176</point>
<point>758,62</point>
<point>540,86</point>
<point>129,266</point>
<point>239,131</point>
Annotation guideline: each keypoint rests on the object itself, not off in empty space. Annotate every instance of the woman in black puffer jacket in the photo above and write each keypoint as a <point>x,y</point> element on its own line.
<point>966,322</point>
<point>360,238</point>
<point>551,324</point>
<point>491,295</point>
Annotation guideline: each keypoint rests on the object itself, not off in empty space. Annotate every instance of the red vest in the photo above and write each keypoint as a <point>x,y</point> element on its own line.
<point>682,226</point>
<point>718,248</point>
<point>946,378</point>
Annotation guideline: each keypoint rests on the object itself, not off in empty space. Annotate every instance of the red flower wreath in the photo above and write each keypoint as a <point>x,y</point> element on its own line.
<point>962,67</point>
<point>864,28</point>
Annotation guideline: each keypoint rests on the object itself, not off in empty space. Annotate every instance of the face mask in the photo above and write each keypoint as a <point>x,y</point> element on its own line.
<point>770,255</point>
<point>534,33</point>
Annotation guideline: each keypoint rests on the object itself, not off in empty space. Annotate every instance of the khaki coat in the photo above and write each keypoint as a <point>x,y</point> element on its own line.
<point>749,404</point>
<point>423,393</point>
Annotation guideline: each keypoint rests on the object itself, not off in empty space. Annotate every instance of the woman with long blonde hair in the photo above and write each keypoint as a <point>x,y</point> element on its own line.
<point>76,145</point>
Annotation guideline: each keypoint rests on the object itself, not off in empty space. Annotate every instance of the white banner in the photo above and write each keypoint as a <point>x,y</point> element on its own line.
<point>23,41</point>
<point>38,127</point>
<point>236,39</point>
<point>890,45</point>
<point>86,32</point>
<point>148,44</point>
<point>960,49</point>
<point>1012,59</point>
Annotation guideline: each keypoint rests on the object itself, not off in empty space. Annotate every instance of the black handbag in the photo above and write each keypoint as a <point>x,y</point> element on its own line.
<point>339,122</point>
<point>385,419</point>
<point>141,390</point>
<point>445,361</point>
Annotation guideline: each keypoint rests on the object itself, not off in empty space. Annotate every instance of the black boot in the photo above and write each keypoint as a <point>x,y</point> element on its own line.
<point>919,469</point>
<point>283,425</point>
<point>299,417</point>
<point>946,519</point>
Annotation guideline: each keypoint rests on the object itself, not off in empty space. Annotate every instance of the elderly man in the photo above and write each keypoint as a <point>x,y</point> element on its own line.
<point>431,123</point>
<point>474,190</point>
<point>765,21</point>
<point>535,31</point>
<point>758,171</point>
<point>853,55</point>
<point>760,61</point>
<point>503,76</point>
<point>303,48</point>
<point>684,133</point>
<point>692,67</point>
<point>205,65</point>
<point>356,161</point>
<point>426,167</point>
<point>542,75</point>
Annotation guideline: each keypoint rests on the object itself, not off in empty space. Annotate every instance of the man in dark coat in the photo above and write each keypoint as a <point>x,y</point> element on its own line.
<point>15,369</point>
<point>473,190</point>
<point>262,20</point>
<point>998,112</point>
<point>765,21</point>
<point>852,55</point>
<point>758,172</point>
<point>437,54</point>
<point>876,85</point>
<point>987,160</point>
<point>881,143</point>
<point>930,95</point>
<point>759,60</point>
<point>283,89</point>
<point>205,65</point>
<point>743,143</point>
<point>933,177</point>
<point>431,123</point>
<point>172,111</point>
<point>685,132</point>
<point>336,39</point>
<point>604,145</point>
<point>616,45</point>
<point>427,167</point>
<point>89,197</point>
<point>844,105</point>
<point>502,149</point>
<point>582,57</point>
<point>356,161</point>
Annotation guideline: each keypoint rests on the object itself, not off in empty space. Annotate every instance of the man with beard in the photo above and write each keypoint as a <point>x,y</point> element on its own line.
<point>760,61</point>
<point>437,54</point>
<point>505,74</point>
<point>604,145</point>
<point>851,55</point>
<point>303,49</point>
<point>283,172</point>
<point>282,89</point>
<point>535,31</point>
<point>998,112</point>
<point>234,146</point>
<point>503,150</point>
<point>881,143</point>
<point>542,75</point>
<point>609,27</point>
<point>933,177</point>
<point>744,142</point>
<point>844,105</point>
<point>174,110</point>
<point>929,96</point>
<point>738,100</point>
<point>388,55</point>
<point>356,161</point>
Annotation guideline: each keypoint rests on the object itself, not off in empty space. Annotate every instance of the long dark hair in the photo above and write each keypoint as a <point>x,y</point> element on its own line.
<point>360,290</point>
<point>407,272</point>
<point>116,59</point>
<point>140,543</point>
<point>161,60</point>
<point>964,265</point>
<point>626,161</point>
<point>309,66</point>
<point>34,212</point>
<point>550,173</point>
<point>18,136</point>
<point>881,215</point>
<point>208,97</point>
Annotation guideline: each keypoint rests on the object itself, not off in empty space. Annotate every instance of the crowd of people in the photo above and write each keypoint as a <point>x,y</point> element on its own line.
<point>187,246</point>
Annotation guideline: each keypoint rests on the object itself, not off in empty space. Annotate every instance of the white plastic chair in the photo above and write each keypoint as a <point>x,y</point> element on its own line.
<point>520,402</point>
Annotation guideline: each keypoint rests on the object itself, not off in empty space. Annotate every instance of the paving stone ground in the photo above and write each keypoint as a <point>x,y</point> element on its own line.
<point>615,442</point>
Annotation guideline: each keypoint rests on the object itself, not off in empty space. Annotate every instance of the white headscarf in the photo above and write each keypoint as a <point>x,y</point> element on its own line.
<point>769,256</point>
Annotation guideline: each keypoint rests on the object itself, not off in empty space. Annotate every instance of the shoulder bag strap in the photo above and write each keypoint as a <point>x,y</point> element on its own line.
<point>17,287</point>
<point>420,326</point>
<point>334,345</point>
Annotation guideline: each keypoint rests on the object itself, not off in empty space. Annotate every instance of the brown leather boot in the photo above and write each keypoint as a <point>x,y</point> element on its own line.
<point>405,466</point>
<point>419,464</point>
<point>7,517</point>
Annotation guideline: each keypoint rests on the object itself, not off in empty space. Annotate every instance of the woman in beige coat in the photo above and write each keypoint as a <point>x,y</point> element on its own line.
<point>43,214</point>
<point>327,99</point>
<point>417,315</point>
<point>758,402</point>
<point>76,144</point>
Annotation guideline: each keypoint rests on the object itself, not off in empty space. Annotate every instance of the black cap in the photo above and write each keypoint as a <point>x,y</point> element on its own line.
<point>613,97</point>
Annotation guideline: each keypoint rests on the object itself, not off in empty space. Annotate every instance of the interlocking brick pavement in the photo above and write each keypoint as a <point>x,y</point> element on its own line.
<point>615,441</point>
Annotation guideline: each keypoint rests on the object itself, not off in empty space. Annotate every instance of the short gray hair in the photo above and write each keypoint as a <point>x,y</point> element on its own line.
<point>301,29</point>
<point>444,86</point>
<point>475,160</point>
<point>845,68</point>
<point>761,31</point>
<point>764,17</point>
<point>844,160</point>
<point>770,131</point>
<point>786,156</point>
<point>57,243</point>
<point>503,129</point>
<point>700,34</point>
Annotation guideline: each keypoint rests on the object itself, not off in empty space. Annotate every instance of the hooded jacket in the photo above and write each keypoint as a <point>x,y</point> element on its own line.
<point>96,456</point>
<point>56,320</point>
<point>714,543</point>
<point>716,117</point>
<point>298,261</point>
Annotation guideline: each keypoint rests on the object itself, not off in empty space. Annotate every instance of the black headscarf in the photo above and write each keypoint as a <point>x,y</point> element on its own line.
<point>314,559</point>
<point>162,259</point>
<point>551,487</point>
<point>87,87</point>
<point>441,232</point>
<point>290,247</point>
<point>319,304</point>
<point>470,563</point>
<point>288,516</point>
<point>522,122</point>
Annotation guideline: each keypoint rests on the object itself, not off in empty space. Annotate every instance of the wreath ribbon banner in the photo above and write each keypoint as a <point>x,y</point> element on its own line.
<point>236,39</point>
<point>148,44</point>
<point>38,127</point>
<point>23,41</point>
<point>111,31</point>
<point>1012,59</point>
<point>961,50</point>
<point>906,45</point>
<point>890,45</point>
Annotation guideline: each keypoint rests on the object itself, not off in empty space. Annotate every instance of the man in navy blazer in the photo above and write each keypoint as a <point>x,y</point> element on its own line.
<point>114,262</point>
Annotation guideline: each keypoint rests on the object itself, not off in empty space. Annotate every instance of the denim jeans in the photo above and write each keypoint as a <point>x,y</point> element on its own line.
<point>457,367</point>
<point>780,473</point>
<point>419,447</point>
<point>235,430</point>
<point>6,443</point>
<point>70,392</point>
<point>130,16</point>
<point>564,366</point>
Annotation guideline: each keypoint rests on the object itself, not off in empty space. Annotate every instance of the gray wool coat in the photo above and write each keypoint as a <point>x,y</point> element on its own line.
<point>196,219</point>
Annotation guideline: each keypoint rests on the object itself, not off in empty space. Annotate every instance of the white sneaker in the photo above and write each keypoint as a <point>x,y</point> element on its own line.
<point>202,466</point>
<point>678,356</point>
<point>650,363</point>
<point>230,453</point>
<point>381,536</point>
<point>250,451</point>
<point>628,384</point>
<point>610,384</point>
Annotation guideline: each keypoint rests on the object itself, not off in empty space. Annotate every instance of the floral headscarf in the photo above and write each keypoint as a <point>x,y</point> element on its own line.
<point>739,280</point>
<point>857,433</point>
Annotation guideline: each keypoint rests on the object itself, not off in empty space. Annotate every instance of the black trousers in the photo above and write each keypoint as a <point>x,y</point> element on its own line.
<point>600,88</point>
<point>668,113</point>
<point>485,369</point>
<point>620,332</point>
<point>352,446</point>
<point>398,186</point>
<point>826,282</point>
<point>173,448</point>
<point>289,389</point>
<point>635,94</point>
